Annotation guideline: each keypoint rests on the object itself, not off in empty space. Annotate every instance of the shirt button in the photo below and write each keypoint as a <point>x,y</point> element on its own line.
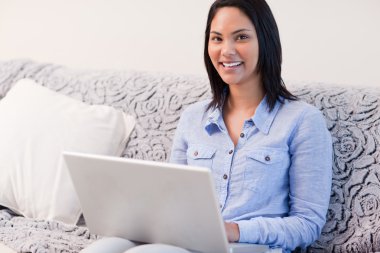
<point>195,153</point>
<point>230,152</point>
<point>267,158</point>
<point>225,176</point>
<point>242,135</point>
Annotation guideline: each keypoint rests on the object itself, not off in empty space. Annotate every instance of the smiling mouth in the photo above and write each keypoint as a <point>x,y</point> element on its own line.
<point>231,64</point>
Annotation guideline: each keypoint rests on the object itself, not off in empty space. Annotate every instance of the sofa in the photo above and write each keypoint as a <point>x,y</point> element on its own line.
<point>156,100</point>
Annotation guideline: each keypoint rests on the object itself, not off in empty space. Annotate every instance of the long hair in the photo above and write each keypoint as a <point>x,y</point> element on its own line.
<point>270,53</point>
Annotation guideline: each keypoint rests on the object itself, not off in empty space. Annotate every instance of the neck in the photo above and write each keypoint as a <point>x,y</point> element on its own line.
<point>245,98</point>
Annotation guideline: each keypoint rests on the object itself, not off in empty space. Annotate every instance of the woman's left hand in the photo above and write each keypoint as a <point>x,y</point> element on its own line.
<point>232,230</point>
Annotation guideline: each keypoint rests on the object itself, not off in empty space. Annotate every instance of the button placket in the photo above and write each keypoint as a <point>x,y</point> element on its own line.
<point>224,176</point>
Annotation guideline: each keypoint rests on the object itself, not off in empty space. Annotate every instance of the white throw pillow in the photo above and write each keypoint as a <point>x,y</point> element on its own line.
<point>36,125</point>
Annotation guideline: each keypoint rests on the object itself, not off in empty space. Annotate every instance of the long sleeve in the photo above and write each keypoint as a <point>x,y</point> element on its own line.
<point>179,147</point>
<point>310,175</point>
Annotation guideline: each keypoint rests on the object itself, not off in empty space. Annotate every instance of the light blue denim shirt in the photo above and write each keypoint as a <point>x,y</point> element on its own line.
<point>275,183</point>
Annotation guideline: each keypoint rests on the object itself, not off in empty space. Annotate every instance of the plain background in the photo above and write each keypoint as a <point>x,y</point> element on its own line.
<point>331,41</point>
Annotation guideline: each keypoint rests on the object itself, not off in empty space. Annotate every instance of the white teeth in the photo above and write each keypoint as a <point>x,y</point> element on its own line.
<point>232,64</point>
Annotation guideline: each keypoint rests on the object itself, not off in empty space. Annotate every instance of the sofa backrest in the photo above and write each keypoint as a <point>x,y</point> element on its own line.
<point>157,100</point>
<point>353,119</point>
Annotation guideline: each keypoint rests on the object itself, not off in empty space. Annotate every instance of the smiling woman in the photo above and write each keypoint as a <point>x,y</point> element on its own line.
<point>262,142</point>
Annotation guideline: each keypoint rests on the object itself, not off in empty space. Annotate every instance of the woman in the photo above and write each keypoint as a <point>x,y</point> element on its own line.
<point>270,155</point>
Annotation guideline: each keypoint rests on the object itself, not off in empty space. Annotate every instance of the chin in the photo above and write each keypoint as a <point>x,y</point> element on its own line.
<point>232,77</point>
<point>231,80</point>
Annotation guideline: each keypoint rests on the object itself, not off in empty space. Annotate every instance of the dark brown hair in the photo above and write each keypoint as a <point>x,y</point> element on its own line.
<point>270,53</point>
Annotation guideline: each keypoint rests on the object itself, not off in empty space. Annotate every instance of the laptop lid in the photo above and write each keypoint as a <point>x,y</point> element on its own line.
<point>148,201</point>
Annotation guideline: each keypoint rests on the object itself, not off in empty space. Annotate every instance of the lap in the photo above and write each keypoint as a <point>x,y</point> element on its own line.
<point>119,245</point>
<point>157,248</point>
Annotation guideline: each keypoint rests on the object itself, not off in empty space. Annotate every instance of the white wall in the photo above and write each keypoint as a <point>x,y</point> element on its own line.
<point>163,35</point>
<point>323,40</point>
<point>330,40</point>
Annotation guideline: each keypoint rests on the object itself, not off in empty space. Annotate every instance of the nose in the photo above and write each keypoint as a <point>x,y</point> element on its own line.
<point>228,48</point>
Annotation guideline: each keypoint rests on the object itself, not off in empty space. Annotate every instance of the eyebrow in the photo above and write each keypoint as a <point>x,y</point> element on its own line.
<point>235,32</point>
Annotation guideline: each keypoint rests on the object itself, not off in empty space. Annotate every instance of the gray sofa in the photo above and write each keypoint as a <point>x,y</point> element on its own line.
<point>157,100</point>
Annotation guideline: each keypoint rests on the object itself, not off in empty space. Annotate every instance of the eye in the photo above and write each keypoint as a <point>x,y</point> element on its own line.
<point>242,37</point>
<point>215,38</point>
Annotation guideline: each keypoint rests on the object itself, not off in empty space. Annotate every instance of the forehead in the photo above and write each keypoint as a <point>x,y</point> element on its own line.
<point>230,19</point>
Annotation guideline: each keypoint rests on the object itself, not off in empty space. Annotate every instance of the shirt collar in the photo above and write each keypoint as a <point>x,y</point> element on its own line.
<point>214,121</point>
<point>263,118</point>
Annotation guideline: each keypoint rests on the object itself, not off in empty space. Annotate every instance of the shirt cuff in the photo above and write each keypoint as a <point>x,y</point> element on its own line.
<point>249,231</point>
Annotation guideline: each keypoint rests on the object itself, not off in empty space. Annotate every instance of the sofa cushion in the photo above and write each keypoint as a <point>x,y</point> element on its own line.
<point>37,124</point>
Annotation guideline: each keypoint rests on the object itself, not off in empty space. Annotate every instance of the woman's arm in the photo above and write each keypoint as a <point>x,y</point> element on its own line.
<point>179,147</point>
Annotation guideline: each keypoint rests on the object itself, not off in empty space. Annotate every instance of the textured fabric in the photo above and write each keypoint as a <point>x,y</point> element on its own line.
<point>31,235</point>
<point>157,100</point>
<point>272,172</point>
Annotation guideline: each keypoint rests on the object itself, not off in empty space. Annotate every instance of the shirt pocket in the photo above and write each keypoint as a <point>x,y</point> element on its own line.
<point>200,155</point>
<point>261,165</point>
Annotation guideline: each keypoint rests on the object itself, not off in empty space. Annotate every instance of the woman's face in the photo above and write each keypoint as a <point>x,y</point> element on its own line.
<point>233,46</point>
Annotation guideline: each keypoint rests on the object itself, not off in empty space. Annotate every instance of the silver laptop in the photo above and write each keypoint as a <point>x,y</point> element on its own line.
<point>151,202</point>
